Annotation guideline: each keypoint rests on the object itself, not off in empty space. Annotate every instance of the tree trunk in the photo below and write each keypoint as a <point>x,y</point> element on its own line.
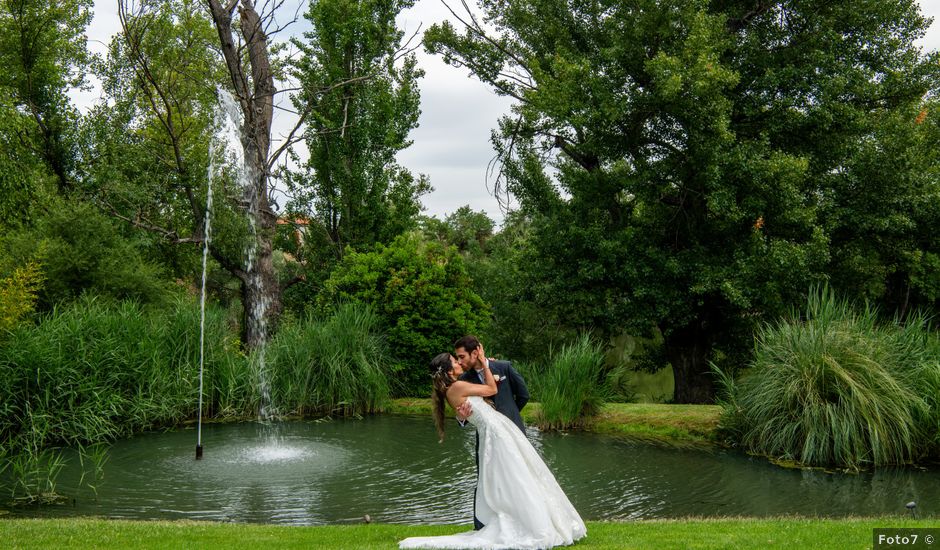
<point>261,296</point>
<point>687,350</point>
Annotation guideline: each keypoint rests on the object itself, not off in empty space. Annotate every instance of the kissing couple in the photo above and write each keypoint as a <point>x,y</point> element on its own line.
<point>517,503</point>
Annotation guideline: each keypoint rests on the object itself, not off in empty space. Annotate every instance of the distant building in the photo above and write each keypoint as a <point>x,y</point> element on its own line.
<point>299,225</point>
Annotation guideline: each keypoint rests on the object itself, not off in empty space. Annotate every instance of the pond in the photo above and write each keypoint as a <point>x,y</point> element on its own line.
<point>393,469</point>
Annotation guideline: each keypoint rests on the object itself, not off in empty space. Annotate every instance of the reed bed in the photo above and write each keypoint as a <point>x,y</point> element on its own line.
<point>335,365</point>
<point>837,387</point>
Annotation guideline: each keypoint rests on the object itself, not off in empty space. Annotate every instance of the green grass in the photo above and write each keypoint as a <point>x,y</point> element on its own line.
<point>98,370</point>
<point>660,534</point>
<point>671,423</point>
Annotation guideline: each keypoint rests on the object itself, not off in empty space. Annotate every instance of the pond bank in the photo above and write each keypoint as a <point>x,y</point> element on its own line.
<point>680,424</point>
<point>692,533</point>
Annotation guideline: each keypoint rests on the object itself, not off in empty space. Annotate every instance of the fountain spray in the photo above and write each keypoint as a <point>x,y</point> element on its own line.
<point>202,296</point>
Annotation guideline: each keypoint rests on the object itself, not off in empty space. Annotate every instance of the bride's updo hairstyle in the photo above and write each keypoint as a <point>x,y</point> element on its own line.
<point>440,381</point>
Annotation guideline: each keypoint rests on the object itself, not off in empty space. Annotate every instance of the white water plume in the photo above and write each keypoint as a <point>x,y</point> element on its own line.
<point>229,134</point>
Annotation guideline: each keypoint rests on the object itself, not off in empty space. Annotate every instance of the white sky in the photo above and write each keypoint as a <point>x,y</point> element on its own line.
<point>452,143</point>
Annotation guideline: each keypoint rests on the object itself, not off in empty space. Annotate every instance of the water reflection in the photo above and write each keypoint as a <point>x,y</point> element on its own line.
<point>393,469</point>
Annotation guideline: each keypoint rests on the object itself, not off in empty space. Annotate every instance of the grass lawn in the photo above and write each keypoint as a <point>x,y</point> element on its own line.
<point>678,423</point>
<point>837,534</point>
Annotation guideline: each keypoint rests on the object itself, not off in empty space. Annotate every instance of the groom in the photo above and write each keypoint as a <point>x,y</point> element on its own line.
<point>511,391</point>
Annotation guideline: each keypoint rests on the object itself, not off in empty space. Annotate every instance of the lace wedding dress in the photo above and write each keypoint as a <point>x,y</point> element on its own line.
<point>518,499</point>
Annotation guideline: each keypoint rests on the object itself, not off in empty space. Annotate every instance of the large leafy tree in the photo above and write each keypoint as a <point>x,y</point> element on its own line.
<point>678,158</point>
<point>43,55</point>
<point>42,50</point>
<point>359,84</point>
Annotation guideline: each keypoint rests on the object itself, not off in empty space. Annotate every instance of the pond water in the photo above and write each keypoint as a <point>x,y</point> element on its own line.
<point>393,469</point>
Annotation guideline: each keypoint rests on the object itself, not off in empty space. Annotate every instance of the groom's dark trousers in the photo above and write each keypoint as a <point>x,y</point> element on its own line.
<point>511,396</point>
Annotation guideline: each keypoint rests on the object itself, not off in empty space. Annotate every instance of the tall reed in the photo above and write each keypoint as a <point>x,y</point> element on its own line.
<point>336,365</point>
<point>837,388</point>
<point>571,387</point>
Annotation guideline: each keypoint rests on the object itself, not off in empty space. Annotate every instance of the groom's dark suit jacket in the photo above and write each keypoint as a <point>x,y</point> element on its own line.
<point>512,393</point>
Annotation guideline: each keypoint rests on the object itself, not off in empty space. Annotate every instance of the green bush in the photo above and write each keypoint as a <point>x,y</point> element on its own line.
<point>422,295</point>
<point>837,388</point>
<point>81,250</point>
<point>331,366</point>
<point>18,295</point>
<point>571,387</point>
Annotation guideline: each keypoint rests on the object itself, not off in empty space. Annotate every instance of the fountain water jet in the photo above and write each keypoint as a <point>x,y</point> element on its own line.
<point>228,124</point>
<point>202,294</point>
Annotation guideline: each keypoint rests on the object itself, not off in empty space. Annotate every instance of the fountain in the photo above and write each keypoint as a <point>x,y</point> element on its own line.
<point>202,295</point>
<point>228,137</point>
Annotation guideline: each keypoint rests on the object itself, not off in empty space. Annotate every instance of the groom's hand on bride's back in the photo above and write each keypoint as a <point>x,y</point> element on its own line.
<point>464,411</point>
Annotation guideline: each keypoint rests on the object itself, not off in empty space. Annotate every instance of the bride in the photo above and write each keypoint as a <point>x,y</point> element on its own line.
<point>518,500</point>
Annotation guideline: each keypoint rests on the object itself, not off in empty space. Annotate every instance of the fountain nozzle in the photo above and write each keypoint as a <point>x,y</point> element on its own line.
<point>198,452</point>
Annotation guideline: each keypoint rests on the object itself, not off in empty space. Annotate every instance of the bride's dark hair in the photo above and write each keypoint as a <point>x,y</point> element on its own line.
<point>440,381</point>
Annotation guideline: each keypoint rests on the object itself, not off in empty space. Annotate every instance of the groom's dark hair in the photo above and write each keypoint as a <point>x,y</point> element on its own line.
<point>468,343</point>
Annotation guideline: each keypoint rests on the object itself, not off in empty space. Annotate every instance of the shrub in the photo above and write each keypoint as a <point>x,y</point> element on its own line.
<point>18,295</point>
<point>837,388</point>
<point>81,251</point>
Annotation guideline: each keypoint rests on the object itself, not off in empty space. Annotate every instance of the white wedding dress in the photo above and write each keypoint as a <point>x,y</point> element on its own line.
<point>517,499</point>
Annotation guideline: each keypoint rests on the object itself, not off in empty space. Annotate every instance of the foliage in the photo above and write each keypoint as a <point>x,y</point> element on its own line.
<point>571,386</point>
<point>363,100</point>
<point>681,161</point>
<point>330,366</point>
<point>469,231</point>
<point>881,214</point>
<point>834,387</point>
<point>18,295</point>
<point>81,250</point>
<point>24,180</point>
<point>423,296</point>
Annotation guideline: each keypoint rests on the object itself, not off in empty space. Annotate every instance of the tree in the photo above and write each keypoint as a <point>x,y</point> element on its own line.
<point>43,53</point>
<point>693,145</point>
<point>148,143</point>
<point>164,76</point>
<point>882,212</point>
<point>361,85</point>
<point>467,230</point>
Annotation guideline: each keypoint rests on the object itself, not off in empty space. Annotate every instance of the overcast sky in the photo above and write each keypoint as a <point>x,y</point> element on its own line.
<point>452,144</point>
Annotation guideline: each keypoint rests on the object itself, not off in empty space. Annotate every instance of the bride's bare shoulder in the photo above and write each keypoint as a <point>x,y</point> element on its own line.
<point>458,388</point>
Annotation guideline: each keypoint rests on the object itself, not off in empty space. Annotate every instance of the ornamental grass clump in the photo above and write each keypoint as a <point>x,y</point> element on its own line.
<point>837,388</point>
<point>571,387</point>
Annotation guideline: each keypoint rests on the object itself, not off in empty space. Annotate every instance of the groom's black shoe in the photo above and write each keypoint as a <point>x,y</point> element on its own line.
<point>476,524</point>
